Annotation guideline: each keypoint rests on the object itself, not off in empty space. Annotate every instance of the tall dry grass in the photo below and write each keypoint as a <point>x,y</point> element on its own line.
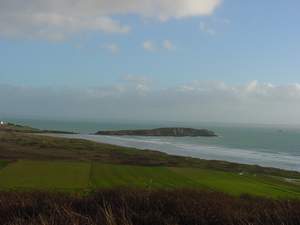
<point>145,207</point>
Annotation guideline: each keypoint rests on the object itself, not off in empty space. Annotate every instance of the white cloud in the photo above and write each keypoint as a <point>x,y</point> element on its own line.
<point>111,47</point>
<point>139,83</point>
<point>206,28</point>
<point>135,79</point>
<point>57,19</point>
<point>213,25</point>
<point>149,46</point>
<point>134,97</point>
<point>252,86</point>
<point>167,44</point>
<point>55,27</point>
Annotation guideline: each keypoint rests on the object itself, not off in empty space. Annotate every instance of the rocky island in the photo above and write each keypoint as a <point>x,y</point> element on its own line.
<point>169,132</point>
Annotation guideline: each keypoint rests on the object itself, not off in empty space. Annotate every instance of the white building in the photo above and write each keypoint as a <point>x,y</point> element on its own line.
<point>2,123</point>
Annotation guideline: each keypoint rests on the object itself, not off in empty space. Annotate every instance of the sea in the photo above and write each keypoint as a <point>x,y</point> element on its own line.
<point>265,145</point>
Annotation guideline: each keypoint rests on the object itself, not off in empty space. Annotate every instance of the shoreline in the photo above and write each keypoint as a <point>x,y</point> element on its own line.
<point>25,158</point>
<point>204,152</point>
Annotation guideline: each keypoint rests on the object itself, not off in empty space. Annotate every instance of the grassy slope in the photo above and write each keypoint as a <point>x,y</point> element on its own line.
<point>71,176</point>
<point>15,146</point>
<point>104,175</point>
<point>45,175</point>
<point>166,177</point>
<point>71,168</point>
<point>10,127</point>
<point>237,184</point>
<point>3,164</point>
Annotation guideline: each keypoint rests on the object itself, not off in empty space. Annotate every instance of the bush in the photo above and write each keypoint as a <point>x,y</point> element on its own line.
<point>144,207</point>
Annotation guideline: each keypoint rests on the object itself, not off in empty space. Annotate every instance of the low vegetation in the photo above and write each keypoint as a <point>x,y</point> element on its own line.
<point>10,127</point>
<point>45,175</point>
<point>3,164</point>
<point>147,207</point>
<point>82,177</point>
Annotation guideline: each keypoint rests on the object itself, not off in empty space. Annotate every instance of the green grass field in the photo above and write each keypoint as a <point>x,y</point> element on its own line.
<point>45,175</point>
<point>104,175</point>
<point>74,176</point>
<point>3,164</point>
<point>236,184</point>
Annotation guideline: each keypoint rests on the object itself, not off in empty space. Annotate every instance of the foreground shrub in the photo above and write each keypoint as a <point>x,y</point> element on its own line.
<point>145,207</point>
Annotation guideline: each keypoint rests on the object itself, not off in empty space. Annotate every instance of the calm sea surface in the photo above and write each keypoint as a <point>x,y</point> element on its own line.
<point>274,146</point>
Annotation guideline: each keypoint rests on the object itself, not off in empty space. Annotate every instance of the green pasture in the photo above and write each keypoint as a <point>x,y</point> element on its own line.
<point>45,175</point>
<point>3,164</point>
<point>104,175</point>
<point>73,176</point>
<point>236,183</point>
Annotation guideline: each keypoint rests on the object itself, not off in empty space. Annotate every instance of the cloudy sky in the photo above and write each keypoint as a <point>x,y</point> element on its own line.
<point>181,60</point>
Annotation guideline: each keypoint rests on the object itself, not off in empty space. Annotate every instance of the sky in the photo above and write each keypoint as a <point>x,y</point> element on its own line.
<point>181,60</point>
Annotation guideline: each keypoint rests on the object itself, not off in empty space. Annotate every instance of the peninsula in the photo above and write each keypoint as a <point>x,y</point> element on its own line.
<point>170,131</point>
<point>11,127</point>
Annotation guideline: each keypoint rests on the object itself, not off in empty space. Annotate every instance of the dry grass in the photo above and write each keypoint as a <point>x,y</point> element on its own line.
<point>145,207</point>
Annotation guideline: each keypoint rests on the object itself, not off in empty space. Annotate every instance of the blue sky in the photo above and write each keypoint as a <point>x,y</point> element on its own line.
<point>239,59</point>
<point>253,40</point>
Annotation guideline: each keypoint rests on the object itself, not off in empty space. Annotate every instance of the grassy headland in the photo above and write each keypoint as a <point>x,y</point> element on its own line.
<point>19,145</point>
<point>11,127</point>
<point>50,163</point>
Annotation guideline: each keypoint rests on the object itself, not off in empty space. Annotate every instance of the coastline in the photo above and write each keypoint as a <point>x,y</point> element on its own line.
<point>195,147</point>
<point>27,157</point>
<point>206,152</point>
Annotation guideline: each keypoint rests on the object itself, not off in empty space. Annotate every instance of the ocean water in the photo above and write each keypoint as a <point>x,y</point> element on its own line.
<point>273,146</point>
